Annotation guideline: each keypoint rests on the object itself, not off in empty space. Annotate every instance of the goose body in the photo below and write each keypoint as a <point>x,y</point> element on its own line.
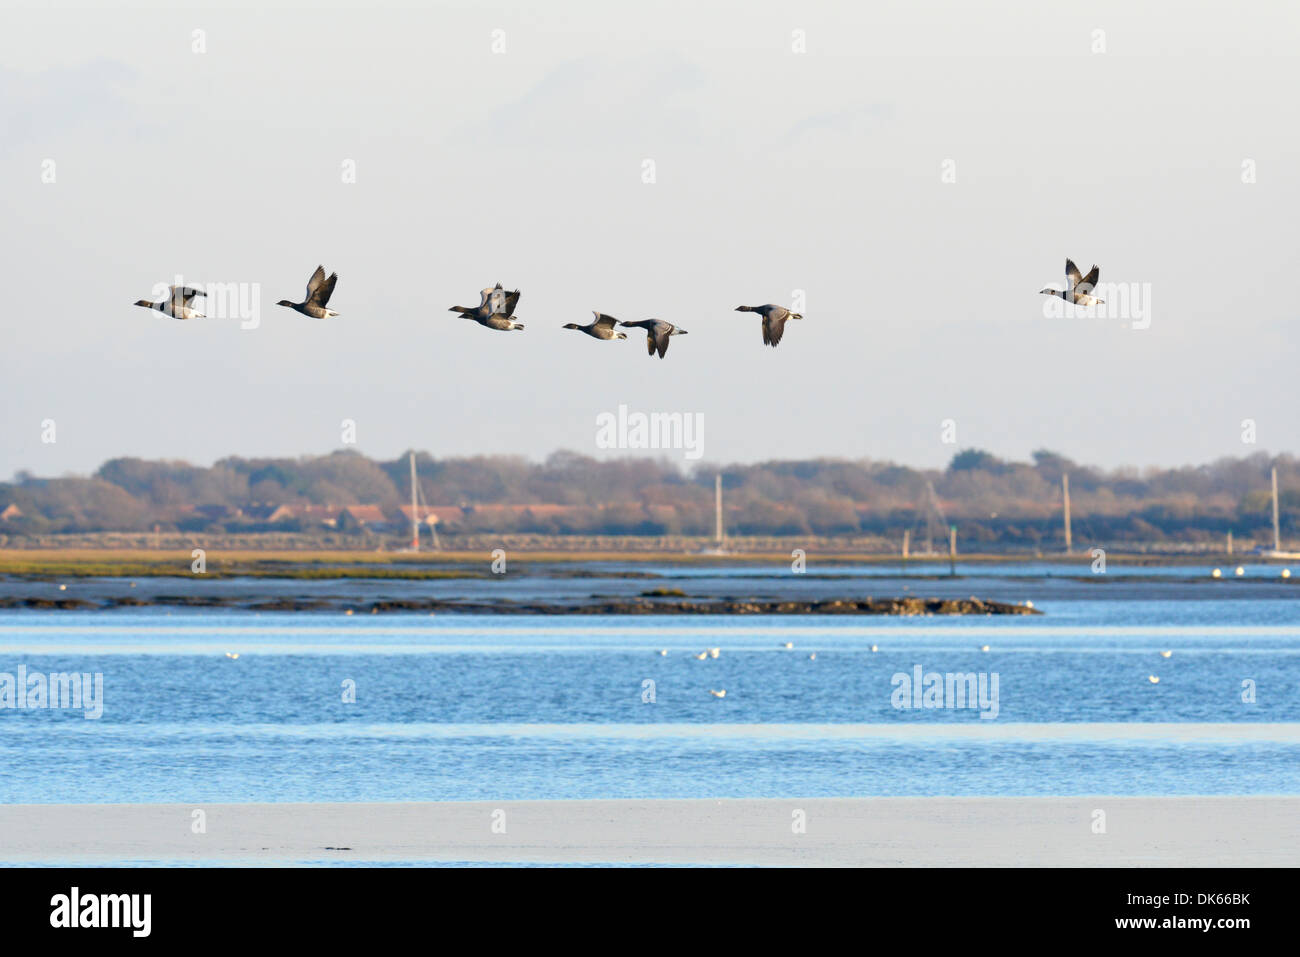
<point>319,290</point>
<point>602,327</point>
<point>495,310</point>
<point>658,333</point>
<point>177,304</point>
<point>1080,287</point>
<point>774,318</point>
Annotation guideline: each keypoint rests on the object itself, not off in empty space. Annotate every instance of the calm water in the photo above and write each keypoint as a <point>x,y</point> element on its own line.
<point>477,708</point>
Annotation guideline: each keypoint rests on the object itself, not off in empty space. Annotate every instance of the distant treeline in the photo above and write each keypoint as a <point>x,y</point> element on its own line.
<point>993,503</point>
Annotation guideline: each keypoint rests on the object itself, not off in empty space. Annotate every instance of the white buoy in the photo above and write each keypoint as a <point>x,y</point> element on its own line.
<point>1240,571</point>
<point>1216,573</point>
<point>63,588</point>
<point>1286,573</point>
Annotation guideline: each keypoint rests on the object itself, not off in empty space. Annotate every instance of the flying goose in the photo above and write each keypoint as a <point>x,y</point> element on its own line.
<point>319,290</point>
<point>774,318</point>
<point>496,309</point>
<point>177,304</point>
<point>657,333</point>
<point>1080,287</point>
<point>601,328</point>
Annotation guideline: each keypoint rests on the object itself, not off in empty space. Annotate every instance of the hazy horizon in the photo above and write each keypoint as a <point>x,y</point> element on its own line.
<point>670,457</point>
<point>775,171</point>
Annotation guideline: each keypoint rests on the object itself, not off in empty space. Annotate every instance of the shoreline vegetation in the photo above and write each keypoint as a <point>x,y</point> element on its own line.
<point>555,562</point>
<point>32,575</point>
<point>344,499</point>
<point>607,605</point>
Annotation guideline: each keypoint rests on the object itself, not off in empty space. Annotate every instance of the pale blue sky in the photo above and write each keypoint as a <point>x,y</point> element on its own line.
<point>776,171</point>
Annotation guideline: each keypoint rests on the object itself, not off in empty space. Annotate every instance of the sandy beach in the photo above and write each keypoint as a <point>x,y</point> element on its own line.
<point>872,832</point>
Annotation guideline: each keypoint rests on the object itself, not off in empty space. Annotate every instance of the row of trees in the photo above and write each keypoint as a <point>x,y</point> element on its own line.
<point>993,501</point>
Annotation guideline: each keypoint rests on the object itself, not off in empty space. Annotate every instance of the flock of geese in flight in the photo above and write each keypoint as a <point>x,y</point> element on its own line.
<point>496,309</point>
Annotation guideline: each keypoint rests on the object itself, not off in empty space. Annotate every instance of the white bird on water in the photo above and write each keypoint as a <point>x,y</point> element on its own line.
<point>1153,679</point>
<point>875,647</point>
<point>718,694</point>
<point>984,647</point>
<point>714,652</point>
<point>232,655</point>
<point>701,656</point>
<point>1165,654</point>
<point>663,652</point>
<point>788,645</point>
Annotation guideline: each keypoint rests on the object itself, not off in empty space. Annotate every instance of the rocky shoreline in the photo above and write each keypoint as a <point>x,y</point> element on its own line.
<point>595,606</point>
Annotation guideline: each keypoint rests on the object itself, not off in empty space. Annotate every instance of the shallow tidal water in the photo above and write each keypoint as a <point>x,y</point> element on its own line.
<point>458,707</point>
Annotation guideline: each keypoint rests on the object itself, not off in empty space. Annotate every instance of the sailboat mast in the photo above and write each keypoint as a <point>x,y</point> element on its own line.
<point>415,510</point>
<point>717,507</point>
<point>1065,490</point>
<point>1277,536</point>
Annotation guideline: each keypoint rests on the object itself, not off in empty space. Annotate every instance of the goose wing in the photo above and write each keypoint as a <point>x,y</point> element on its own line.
<point>773,328</point>
<point>603,321</point>
<point>181,295</point>
<point>1072,274</point>
<point>1090,280</point>
<point>326,289</point>
<point>314,283</point>
<point>493,299</point>
<point>660,337</point>
<point>510,300</point>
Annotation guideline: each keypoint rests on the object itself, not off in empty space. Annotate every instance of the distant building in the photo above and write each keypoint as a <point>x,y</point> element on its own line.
<point>368,517</point>
<point>430,514</point>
